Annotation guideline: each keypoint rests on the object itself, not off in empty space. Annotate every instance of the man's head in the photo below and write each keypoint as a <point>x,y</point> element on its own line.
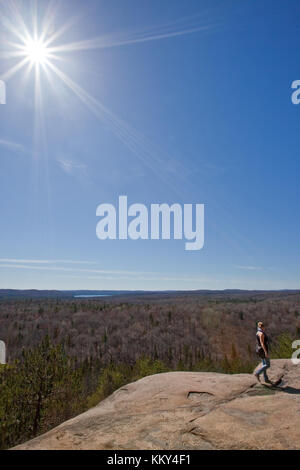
<point>261,325</point>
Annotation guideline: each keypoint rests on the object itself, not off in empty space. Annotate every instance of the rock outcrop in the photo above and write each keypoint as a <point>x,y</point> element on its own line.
<point>189,410</point>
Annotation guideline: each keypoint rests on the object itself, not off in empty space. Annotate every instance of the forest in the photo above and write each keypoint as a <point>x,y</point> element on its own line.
<point>66,355</point>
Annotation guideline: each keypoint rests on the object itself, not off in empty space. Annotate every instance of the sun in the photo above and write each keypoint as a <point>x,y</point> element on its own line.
<point>36,51</point>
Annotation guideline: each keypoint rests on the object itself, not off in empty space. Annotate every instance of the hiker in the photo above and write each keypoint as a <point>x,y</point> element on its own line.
<point>262,349</point>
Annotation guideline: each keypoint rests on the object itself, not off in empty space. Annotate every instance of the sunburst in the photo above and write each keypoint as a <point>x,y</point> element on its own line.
<point>35,48</point>
<point>36,52</point>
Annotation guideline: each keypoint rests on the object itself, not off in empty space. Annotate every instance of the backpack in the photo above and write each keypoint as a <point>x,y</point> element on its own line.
<point>259,351</point>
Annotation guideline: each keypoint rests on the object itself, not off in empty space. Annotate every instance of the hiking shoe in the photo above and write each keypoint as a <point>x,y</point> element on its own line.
<point>257,377</point>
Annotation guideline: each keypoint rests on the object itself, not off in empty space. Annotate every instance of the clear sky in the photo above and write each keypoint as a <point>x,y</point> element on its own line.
<point>162,101</point>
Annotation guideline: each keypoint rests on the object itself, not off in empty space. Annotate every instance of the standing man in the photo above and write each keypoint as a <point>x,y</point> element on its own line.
<point>262,349</point>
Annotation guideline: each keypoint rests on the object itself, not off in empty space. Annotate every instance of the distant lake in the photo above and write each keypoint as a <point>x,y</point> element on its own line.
<point>91,295</point>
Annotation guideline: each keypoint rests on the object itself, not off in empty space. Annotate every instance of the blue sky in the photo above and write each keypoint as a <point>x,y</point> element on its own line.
<point>164,101</point>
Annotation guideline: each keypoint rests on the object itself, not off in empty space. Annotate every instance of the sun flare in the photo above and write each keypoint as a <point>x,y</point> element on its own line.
<point>36,51</point>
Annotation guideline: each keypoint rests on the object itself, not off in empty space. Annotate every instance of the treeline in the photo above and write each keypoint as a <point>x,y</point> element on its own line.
<point>185,330</point>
